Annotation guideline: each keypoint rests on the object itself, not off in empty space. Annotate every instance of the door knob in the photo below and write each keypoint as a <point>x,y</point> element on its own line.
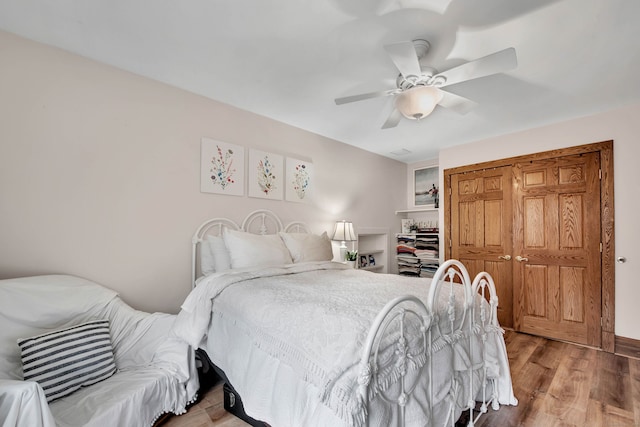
<point>521,259</point>
<point>505,257</point>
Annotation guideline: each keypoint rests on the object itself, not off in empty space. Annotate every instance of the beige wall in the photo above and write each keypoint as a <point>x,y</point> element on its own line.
<point>623,127</point>
<point>100,169</point>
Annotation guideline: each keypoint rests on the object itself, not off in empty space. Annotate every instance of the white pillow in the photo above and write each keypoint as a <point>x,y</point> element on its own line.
<point>207,263</point>
<point>221,260</point>
<point>65,360</point>
<point>308,247</point>
<point>214,256</point>
<point>254,250</point>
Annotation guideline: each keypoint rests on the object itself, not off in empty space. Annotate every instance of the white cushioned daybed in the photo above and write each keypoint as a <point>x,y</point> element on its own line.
<point>141,372</point>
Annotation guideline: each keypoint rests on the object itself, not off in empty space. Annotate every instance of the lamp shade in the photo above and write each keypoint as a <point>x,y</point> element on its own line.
<point>343,232</point>
<point>418,102</point>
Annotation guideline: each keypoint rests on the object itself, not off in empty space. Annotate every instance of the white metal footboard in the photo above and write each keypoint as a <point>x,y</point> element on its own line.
<point>487,322</point>
<point>407,334</point>
<point>395,318</point>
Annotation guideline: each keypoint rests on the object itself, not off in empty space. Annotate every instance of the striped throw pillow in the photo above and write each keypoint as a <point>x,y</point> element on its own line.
<point>63,361</point>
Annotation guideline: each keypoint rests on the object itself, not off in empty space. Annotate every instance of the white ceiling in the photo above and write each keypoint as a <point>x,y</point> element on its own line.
<point>289,59</point>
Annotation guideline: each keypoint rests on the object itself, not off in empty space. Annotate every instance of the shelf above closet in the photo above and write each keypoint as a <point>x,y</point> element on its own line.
<point>416,210</point>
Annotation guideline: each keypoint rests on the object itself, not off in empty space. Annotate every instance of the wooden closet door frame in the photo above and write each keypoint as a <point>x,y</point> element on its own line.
<point>607,236</point>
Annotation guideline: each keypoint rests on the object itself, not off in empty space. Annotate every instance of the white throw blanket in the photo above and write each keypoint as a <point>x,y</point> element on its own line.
<point>156,373</point>
<point>314,317</point>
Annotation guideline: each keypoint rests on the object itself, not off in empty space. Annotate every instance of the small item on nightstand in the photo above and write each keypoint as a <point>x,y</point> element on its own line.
<point>351,257</point>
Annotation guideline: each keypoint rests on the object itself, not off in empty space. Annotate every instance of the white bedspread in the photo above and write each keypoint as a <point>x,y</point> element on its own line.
<point>307,320</point>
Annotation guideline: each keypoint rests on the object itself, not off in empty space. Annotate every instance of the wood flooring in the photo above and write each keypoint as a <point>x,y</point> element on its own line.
<point>556,383</point>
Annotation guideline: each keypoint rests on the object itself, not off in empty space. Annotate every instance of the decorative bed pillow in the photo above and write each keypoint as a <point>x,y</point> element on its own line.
<point>308,247</point>
<point>254,250</point>
<point>214,255</point>
<point>207,261</point>
<point>63,361</point>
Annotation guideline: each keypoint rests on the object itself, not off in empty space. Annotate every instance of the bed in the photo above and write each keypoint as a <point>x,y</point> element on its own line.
<point>306,341</point>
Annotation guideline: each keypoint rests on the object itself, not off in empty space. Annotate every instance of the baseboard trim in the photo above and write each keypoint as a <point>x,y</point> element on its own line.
<point>628,347</point>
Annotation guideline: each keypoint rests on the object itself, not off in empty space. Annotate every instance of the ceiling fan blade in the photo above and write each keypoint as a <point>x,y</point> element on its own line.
<point>363,96</point>
<point>457,103</point>
<point>497,62</point>
<point>393,119</point>
<point>404,55</point>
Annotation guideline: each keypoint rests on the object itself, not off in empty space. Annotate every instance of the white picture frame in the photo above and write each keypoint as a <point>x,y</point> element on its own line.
<point>425,181</point>
<point>266,175</point>
<point>299,180</point>
<point>221,167</point>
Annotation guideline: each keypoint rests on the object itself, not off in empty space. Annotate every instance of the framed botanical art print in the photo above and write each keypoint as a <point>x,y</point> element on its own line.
<point>221,168</point>
<point>425,187</point>
<point>299,177</point>
<point>266,172</point>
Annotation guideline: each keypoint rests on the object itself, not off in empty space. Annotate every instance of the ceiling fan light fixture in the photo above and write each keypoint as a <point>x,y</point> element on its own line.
<point>418,102</point>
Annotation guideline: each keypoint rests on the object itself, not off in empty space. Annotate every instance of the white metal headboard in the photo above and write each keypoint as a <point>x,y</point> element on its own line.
<point>296,227</point>
<point>261,221</point>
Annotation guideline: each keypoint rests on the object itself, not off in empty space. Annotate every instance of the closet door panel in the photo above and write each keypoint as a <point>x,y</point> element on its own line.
<point>481,233</point>
<point>557,272</point>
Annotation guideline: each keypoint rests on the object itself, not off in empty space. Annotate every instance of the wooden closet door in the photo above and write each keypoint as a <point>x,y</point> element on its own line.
<point>481,215</point>
<point>557,270</point>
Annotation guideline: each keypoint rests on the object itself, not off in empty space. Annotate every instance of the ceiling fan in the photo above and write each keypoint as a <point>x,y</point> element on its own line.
<point>418,88</point>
